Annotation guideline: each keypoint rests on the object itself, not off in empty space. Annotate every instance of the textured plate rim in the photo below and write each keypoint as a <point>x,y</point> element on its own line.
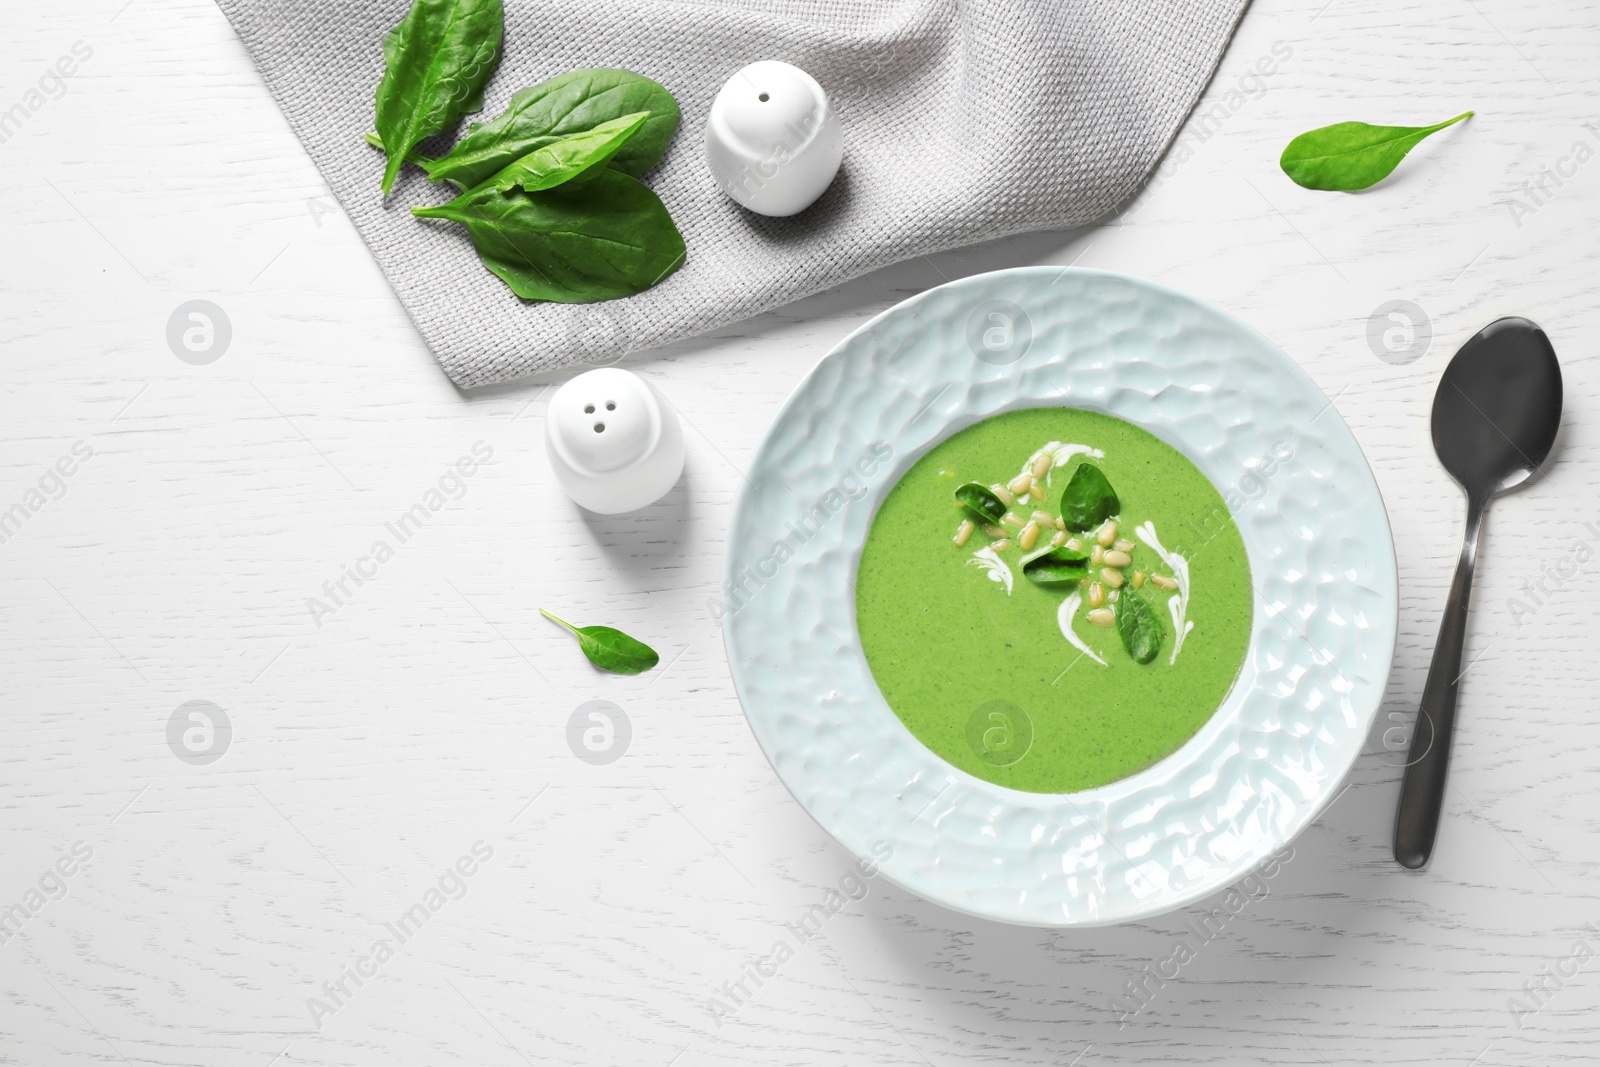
<point>1303,815</point>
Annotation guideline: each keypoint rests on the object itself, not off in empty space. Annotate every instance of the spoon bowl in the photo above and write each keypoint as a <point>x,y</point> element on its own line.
<point>1495,419</point>
<point>1498,407</point>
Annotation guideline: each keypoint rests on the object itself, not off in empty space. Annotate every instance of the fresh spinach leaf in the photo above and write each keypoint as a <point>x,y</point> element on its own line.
<point>1140,629</point>
<point>1055,566</point>
<point>1088,500</point>
<point>557,162</point>
<point>610,649</point>
<point>1352,155</point>
<point>568,104</point>
<point>981,502</point>
<point>412,156</point>
<point>569,158</point>
<point>436,62</point>
<point>605,237</point>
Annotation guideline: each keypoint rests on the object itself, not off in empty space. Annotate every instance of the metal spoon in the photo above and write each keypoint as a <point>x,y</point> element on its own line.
<point>1495,417</point>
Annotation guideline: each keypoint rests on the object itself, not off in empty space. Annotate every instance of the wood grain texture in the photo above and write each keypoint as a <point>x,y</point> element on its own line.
<point>429,711</point>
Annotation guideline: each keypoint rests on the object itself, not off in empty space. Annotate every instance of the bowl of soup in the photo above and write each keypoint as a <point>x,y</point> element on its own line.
<point>1065,597</point>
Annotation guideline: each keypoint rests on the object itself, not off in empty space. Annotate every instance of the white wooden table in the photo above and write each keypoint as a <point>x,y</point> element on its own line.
<point>373,747</point>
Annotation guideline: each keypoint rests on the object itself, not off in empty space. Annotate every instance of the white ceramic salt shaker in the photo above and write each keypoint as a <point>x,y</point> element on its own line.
<point>773,142</point>
<point>614,443</point>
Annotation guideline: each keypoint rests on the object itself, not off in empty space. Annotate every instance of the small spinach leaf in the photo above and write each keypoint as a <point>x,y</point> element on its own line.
<point>598,239</point>
<point>610,649</point>
<point>564,105</point>
<point>1088,500</point>
<point>1348,156</point>
<point>981,502</point>
<point>569,158</point>
<point>1055,566</point>
<point>436,62</point>
<point>1140,629</point>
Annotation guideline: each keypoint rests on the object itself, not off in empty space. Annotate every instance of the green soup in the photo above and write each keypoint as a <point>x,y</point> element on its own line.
<point>975,658</point>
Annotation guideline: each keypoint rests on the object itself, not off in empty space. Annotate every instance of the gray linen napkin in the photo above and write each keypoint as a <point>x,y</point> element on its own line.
<point>964,120</point>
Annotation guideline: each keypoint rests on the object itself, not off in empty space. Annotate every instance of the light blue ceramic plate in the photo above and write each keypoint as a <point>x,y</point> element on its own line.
<point>1320,554</point>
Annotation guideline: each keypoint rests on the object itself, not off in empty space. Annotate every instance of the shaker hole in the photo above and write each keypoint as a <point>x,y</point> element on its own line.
<point>763,98</point>
<point>599,427</point>
<point>611,405</point>
<point>588,409</point>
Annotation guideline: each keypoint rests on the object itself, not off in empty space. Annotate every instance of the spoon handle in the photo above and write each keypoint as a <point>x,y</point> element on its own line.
<point>1422,787</point>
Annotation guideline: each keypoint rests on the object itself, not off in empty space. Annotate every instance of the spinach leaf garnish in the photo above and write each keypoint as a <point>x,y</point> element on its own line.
<point>610,649</point>
<point>981,502</point>
<point>570,103</point>
<point>1348,156</point>
<point>596,239</point>
<point>1055,566</point>
<point>436,62</point>
<point>1088,500</point>
<point>1140,629</point>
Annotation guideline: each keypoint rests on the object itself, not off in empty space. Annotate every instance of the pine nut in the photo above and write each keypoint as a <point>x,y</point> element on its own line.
<point>1036,493</point>
<point>1075,544</point>
<point>1041,466</point>
<point>1061,524</point>
<point>1097,595</point>
<point>963,532</point>
<point>1124,545</point>
<point>1163,582</point>
<point>1097,556</point>
<point>1112,596</point>
<point>1118,559</point>
<point>1012,519</point>
<point>991,530</point>
<point>1103,617</point>
<point>1029,537</point>
<point>1107,536</point>
<point>1003,493</point>
<point>1059,539</point>
<point>1138,579</point>
<point>1020,484</point>
<point>1002,544</point>
<point>1112,577</point>
<point>1043,520</point>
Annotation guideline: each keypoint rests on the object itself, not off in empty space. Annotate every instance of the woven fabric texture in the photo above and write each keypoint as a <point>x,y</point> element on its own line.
<point>964,120</point>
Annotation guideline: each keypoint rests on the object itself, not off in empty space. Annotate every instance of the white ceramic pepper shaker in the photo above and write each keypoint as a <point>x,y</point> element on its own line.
<point>614,443</point>
<point>773,142</point>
